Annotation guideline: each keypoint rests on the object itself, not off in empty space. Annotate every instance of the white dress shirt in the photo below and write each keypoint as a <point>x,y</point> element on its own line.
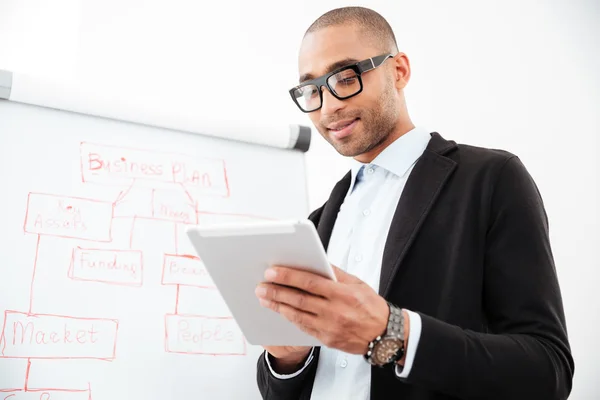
<point>356,246</point>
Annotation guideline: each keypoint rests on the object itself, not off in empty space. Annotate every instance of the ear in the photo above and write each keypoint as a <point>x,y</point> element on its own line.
<point>344,277</point>
<point>401,70</point>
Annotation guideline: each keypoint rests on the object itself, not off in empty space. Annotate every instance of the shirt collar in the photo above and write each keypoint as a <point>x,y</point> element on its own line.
<point>399,156</point>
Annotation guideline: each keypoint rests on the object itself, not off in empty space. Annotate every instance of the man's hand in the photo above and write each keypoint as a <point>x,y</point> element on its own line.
<point>344,315</point>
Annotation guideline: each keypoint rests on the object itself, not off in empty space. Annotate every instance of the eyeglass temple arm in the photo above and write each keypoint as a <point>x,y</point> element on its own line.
<point>372,62</point>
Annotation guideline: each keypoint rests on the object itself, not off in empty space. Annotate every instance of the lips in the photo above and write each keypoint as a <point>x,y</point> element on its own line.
<point>342,129</point>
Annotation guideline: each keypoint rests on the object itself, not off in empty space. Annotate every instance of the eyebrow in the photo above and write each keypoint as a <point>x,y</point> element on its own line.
<point>331,67</point>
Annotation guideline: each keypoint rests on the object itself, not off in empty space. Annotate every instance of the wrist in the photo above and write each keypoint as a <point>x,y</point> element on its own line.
<point>389,347</point>
<point>288,364</point>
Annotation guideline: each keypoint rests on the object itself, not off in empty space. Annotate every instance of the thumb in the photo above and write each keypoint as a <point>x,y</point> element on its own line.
<point>344,277</point>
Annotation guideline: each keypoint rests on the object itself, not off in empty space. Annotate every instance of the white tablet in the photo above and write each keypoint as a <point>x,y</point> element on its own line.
<point>236,257</point>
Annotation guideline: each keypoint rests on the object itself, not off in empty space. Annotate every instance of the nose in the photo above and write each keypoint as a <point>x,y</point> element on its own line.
<point>330,103</point>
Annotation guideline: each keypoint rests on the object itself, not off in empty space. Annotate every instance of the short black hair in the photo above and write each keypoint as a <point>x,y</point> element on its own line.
<point>369,21</point>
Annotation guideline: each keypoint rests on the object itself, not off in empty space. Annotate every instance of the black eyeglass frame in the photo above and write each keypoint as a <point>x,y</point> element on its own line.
<point>359,68</point>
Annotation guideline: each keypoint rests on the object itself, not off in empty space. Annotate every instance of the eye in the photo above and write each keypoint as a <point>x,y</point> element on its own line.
<point>310,91</point>
<point>346,77</point>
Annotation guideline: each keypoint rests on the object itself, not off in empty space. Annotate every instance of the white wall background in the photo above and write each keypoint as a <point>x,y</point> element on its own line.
<point>518,75</point>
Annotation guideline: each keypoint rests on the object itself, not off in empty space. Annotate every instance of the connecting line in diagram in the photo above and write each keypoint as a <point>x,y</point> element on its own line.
<point>172,177</point>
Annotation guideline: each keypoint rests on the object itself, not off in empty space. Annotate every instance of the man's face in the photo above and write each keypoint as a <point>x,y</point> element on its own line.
<point>359,124</point>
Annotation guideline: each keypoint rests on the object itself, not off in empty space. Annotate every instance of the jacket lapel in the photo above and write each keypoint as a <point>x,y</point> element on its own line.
<point>422,189</point>
<point>331,209</point>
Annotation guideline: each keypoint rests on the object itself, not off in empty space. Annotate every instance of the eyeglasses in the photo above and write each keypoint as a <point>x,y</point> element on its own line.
<point>342,83</point>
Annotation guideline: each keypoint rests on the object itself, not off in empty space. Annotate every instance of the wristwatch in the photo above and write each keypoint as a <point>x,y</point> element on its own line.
<point>389,347</point>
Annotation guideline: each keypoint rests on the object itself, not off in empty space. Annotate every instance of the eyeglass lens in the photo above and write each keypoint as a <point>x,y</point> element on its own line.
<point>344,84</point>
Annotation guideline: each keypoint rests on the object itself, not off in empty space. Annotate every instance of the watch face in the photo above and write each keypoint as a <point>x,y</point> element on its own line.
<point>386,349</point>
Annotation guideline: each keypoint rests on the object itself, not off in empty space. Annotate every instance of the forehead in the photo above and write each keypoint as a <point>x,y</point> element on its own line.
<point>326,46</point>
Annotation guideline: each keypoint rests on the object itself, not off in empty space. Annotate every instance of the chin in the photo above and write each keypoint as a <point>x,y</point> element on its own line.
<point>350,146</point>
<point>348,149</point>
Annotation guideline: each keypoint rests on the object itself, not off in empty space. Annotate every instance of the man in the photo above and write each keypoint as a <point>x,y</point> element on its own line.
<point>447,287</point>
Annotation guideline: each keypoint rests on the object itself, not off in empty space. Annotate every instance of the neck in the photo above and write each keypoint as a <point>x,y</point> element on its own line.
<point>402,128</point>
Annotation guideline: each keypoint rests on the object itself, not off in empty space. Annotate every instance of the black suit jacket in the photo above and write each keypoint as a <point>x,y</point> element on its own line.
<point>468,249</point>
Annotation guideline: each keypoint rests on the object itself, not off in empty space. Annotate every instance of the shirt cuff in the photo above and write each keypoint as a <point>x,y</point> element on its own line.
<point>414,334</point>
<point>292,375</point>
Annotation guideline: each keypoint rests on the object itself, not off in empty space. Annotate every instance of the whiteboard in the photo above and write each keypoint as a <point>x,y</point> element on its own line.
<point>101,295</point>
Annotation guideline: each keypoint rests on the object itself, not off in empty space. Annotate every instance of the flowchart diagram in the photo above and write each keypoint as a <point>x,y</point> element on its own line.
<point>165,189</point>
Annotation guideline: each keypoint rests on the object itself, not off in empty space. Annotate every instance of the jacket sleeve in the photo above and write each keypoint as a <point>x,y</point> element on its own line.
<point>525,354</point>
<point>273,388</point>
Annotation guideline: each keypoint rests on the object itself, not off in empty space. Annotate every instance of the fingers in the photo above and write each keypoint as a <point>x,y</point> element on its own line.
<point>298,299</point>
<point>302,280</point>
<point>344,277</point>
<point>305,321</point>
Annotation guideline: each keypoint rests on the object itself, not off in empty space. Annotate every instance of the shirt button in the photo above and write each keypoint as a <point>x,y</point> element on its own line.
<point>344,364</point>
<point>366,212</point>
<point>370,171</point>
<point>358,258</point>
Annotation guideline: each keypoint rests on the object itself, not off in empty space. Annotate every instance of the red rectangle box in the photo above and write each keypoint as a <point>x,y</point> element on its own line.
<point>173,206</point>
<point>194,334</point>
<point>45,394</point>
<point>202,175</point>
<point>69,217</point>
<point>119,267</point>
<point>57,336</point>
<point>185,270</point>
<point>120,165</point>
